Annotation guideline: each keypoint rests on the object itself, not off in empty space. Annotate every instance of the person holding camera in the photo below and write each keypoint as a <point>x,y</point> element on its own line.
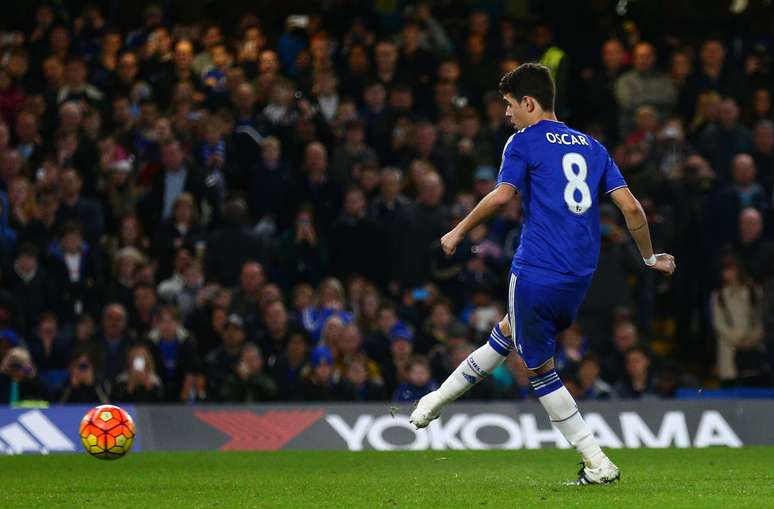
<point>248,383</point>
<point>138,383</point>
<point>82,385</point>
<point>18,378</point>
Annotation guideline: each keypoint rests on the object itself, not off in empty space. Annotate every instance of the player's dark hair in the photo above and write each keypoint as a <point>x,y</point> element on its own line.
<point>533,80</point>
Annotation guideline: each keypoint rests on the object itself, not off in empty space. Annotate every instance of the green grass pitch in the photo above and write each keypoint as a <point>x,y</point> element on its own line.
<point>665,478</point>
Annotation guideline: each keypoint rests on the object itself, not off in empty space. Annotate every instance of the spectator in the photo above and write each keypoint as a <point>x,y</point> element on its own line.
<point>744,192</point>
<point>386,69</point>
<point>331,305</point>
<point>182,289</point>
<point>221,361</point>
<point>474,152</point>
<point>356,238</point>
<point>277,331</point>
<point>290,368</point>
<point>681,70</point>
<point>175,355</point>
<point>248,383</point>
<point>119,187</point>
<point>18,378</point>
<point>668,380</point>
<point>377,341</point>
<point>418,382</point>
<point>318,385</point>
<point>437,327</point>
<point>82,385</point>
<point>130,234</point>
<point>113,342</point>
<point>415,230</point>
<point>11,164</point>
<point>737,319</point>
<point>714,73</point>
<point>75,87</point>
<point>315,187</point>
<point>351,151</point>
<point>29,142</point>
<point>73,207</point>
<point>643,85</point>
<point>625,337</point>
<point>325,94</point>
<point>590,384</point>
<point>179,72</point>
<point>720,141</point>
<point>637,382</point>
<point>356,384</point>
<point>754,251</point>
<point>376,115</point>
<point>31,285</point>
<point>269,184</point>
<point>416,60</point>
<point>671,150</point>
<point>144,302</point>
<point>179,176</point>
<point>426,146</point>
<point>126,265</point>
<point>303,250</point>
<point>395,367</point>
<point>138,383</point>
<point>390,201</point>
<point>572,349</point>
<point>85,338</point>
<point>49,351</point>
<point>77,272</point>
<point>181,228</point>
<point>246,298</point>
<point>229,247</point>
<point>760,108</point>
<point>349,349</point>
<point>21,203</point>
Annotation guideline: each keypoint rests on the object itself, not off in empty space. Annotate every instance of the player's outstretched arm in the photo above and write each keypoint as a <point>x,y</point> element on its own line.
<point>488,205</point>
<point>638,227</point>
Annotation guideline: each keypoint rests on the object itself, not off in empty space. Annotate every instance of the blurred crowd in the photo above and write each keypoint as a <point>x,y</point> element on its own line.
<point>248,212</point>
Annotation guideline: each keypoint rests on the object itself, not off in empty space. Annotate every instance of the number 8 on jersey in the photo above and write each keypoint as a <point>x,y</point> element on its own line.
<point>576,183</point>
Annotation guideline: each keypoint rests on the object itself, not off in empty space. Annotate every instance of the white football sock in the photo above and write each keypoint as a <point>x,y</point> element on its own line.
<point>472,370</point>
<point>565,416</point>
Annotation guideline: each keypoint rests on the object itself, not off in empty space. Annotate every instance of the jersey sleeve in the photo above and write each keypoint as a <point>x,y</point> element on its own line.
<point>513,168</point>
<point>613,179</point>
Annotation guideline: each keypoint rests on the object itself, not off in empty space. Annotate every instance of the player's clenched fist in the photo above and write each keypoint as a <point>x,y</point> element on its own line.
<point>665,263</point>
<point>450,241</point>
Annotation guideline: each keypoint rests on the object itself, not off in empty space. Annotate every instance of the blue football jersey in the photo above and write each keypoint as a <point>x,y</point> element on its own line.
<point>559,173</point>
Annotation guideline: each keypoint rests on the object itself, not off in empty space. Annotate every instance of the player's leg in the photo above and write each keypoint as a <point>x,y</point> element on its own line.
<point>472,370</point>
<point>541,313</point>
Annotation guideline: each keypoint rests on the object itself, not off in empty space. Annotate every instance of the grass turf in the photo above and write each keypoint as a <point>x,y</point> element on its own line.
<point>663,478</point>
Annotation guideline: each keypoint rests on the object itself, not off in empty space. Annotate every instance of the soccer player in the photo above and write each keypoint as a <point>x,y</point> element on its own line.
<point>559,173</point>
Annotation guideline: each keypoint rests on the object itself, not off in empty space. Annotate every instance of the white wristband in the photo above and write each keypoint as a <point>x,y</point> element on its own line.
<point>650,262</point>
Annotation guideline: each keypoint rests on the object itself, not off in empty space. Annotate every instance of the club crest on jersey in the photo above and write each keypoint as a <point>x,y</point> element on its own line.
<point>566,139</point>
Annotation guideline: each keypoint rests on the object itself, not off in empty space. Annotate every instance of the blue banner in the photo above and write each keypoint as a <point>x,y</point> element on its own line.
<point>44,430</point>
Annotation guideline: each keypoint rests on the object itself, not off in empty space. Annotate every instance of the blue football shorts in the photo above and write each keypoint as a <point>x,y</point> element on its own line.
<point>538,310</point>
